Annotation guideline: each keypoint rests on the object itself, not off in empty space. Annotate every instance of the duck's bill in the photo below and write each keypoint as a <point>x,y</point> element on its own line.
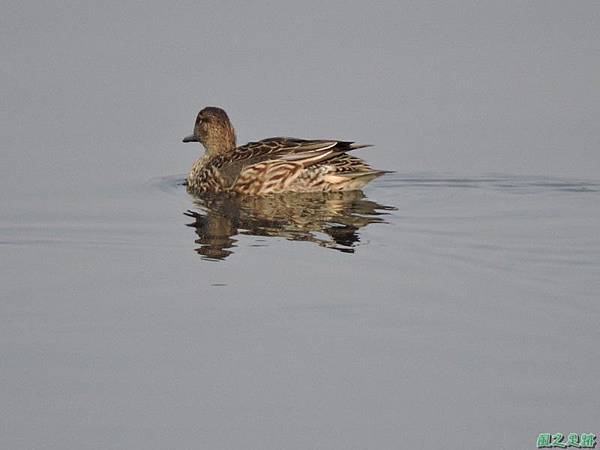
<point>190,138</point>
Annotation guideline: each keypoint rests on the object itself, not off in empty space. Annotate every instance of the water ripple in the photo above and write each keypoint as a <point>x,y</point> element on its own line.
<point>504,183</point>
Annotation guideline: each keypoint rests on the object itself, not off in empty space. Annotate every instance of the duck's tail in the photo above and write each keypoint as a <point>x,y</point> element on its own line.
<point>351,181</point>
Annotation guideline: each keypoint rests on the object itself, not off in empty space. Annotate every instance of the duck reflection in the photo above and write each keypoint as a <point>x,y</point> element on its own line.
<point>330,220</point>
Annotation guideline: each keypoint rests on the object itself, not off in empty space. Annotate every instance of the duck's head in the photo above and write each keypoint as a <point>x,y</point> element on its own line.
<point>213,130</point>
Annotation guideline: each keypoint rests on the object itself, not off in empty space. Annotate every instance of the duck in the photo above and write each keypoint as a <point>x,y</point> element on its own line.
<point>271,166</point>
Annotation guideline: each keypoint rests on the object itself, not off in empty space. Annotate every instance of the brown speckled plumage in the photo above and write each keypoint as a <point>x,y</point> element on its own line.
<point>273,165</point>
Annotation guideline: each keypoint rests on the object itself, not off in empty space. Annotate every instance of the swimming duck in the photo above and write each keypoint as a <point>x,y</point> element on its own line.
<point>273,165</point>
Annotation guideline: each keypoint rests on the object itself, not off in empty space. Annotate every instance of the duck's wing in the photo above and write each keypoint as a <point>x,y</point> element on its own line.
<point>298,153</point>
<point>273,164</point>
<point>291,149</point>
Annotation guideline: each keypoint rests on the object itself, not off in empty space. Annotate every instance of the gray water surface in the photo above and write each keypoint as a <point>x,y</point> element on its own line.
<point>457,306</point>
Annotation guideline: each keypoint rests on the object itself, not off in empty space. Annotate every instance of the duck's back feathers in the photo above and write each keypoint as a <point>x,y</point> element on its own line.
<point>291,149</point>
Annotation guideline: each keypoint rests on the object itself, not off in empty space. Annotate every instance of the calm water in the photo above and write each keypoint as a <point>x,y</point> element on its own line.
<point>298,322</point>
<point>453,304</point>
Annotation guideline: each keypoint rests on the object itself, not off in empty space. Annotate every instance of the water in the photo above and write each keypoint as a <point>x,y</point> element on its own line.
<point>285,322</point>
<point>452,304</point>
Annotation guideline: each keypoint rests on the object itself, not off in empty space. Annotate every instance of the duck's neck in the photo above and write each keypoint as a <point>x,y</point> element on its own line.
<point>221,141</point>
